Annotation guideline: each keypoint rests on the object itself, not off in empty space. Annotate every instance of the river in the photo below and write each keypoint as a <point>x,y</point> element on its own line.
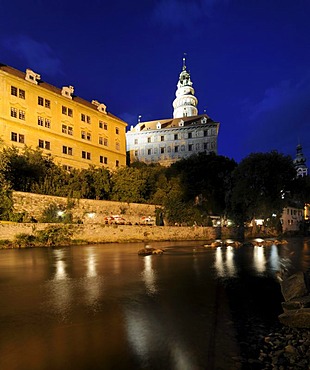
<point>105,307</point>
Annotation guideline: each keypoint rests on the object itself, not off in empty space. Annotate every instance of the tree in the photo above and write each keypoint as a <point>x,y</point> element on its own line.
<point>261,187</point>
<point>24,168</point>
<point>206,181</point>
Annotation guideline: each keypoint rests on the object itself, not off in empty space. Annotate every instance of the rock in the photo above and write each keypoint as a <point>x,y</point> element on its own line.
<point>149,251</point>
<point>290,349</point>
<point>294,286</point>
<point>296,318</point>
<point>216,244</point>
<point>296,303</point>
<point>157,251</point>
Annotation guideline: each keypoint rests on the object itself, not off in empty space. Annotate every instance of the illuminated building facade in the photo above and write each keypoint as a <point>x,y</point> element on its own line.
<point>300,162</point>
<point>75,132</point>
<point>169,140</point>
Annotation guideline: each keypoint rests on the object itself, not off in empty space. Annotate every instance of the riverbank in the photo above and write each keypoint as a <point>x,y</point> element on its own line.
<point>101,233</point>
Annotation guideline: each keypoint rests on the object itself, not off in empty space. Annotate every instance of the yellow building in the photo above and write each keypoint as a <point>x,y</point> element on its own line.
<point>75,132</point>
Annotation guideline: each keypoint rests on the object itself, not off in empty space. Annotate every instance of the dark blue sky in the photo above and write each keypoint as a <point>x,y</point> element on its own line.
<point>249,60</point>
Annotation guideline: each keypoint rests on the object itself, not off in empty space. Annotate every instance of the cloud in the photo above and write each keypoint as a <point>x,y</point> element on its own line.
<point>184,13</point>
<point>39,56</point>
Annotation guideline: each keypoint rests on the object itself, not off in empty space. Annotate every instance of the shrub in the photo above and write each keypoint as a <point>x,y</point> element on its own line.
<point>53,235</point>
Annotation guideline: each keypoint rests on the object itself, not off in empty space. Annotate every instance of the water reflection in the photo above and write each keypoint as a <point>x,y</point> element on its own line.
<point>59,288</point>
<point>259,259</point>
<point>274,259</point>
<point>224,262</point>
<point>149,275</point>
<point>60,272</point>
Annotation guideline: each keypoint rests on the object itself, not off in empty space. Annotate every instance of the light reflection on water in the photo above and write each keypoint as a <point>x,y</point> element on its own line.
<point>105,307</point>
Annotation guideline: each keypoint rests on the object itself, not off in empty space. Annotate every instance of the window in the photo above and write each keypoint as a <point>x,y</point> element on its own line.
<point>47,103</point>
<point>67,150</point>
<point>64,129</point>
<point>40,121</point>
<point>205,133</point>
<point>190,135</point>
<point>17,137</point>
<point>44,144</point>
<point>136,153</point>
<point>117,130</point>
<point>105,126</point>
<point>88,136</point>
<point>14,112</point>
<point>100,140</point>
<point>103,159</point>
<point>176,149</point>
<point>70,130</point>
<point>162,150</point>
<point>47,123</point>
<point>14,90</point>
<point>87,119</point>
<point>136,141</point>
<point>86,155</point>
<point>82,117</point>
<point>67,168</point>
<point>100,124</point>
<point>83,135</point>
<point>190,147</point>
<point>67,111</point>
<point>105,142</point>
<point>117,146</point>
<point>22,94</point>
<point>116,163</point>
<point>21,114</point>
<point>205,146</point>
<point>148,139</point>
<point>162,138</point>
<point>40,101</point>
<point>176,136</point>
<point>149,151</point>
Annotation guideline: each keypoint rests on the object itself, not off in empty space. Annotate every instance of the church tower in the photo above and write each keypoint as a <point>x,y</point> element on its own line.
<point>300,162</point>
<point>185,103</point>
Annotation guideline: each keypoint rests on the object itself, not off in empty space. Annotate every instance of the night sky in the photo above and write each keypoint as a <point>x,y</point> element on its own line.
<point>249,61</point>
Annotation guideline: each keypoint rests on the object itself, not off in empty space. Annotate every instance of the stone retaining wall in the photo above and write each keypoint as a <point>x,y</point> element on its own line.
<point>85,210</point>
<point>100,233</point>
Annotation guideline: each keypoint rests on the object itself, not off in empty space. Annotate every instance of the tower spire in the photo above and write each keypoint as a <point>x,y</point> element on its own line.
<point>185,103</point>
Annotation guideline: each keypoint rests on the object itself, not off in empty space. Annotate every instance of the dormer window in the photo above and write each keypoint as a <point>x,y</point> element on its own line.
<point>158,126</point>
<point>204,120</point>
<point>31,76</point>
<point>100,106</point>
<point>181,123</point>
<point>67,91</point>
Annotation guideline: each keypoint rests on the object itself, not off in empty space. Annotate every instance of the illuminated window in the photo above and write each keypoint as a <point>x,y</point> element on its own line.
<point>22,94</point>
<point>148,139</point>
<point>21,114</point>
<point>47,123</point>
<point>44,144</point>
<point>14,112</point>
<point>70,130</point>
<point>40,121</point>
<point>87,119</point>
<point>105,142</point>
<point>82,117</point>
<point>64,129</point>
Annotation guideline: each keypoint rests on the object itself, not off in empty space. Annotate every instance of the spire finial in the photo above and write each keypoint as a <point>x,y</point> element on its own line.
<point>184,60</point>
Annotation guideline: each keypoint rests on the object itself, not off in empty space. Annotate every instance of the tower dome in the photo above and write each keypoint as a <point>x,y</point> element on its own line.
<point>185,103</point>
<point>300,162</point>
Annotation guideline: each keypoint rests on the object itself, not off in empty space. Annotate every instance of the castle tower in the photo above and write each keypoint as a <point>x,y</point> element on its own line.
<point>185,103</point>
<point>300,162</point>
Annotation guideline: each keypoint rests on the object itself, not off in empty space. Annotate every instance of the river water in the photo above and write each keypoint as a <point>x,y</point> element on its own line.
<point>105,307</point>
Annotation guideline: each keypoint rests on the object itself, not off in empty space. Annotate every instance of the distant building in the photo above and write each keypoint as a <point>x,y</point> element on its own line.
<point>300,162</point>
<point>75,132</point>
<point>168,140</point>
<point>292,217</point>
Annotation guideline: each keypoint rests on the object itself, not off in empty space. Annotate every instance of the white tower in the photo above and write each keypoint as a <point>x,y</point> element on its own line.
<point>185,103</point>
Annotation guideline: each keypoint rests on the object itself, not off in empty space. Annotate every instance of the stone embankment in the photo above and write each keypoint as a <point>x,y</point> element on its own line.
<point>101,233</point>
